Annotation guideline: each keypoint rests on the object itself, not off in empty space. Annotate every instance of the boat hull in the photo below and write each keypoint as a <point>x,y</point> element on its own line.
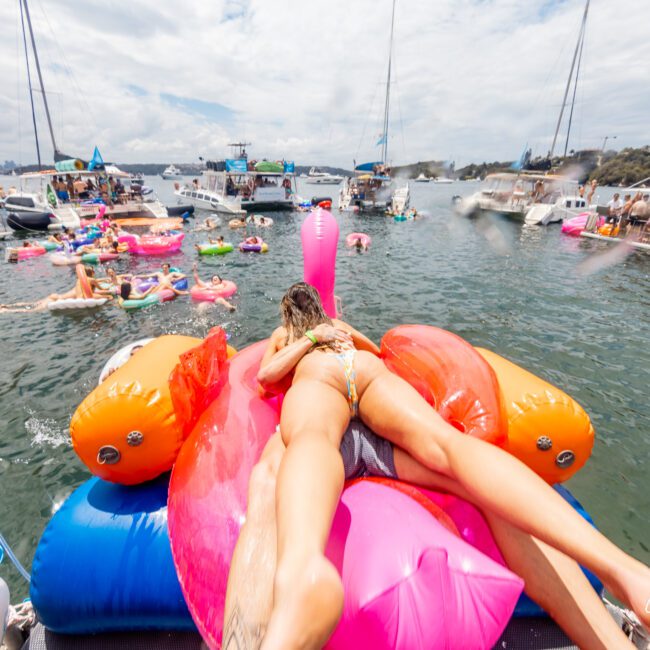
<point>30,220</point>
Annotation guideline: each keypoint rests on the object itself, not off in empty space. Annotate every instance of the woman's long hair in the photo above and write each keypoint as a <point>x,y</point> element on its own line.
<point>302,310</point>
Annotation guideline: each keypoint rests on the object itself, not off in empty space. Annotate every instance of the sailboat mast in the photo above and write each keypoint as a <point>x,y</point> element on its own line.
<point>29,81</point>
<point>40,76</point>
<point>384,147</point>
<point>568,83</point>
<point>573,99</point>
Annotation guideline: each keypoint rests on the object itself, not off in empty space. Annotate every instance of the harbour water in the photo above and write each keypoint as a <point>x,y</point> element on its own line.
<point>518,291</point>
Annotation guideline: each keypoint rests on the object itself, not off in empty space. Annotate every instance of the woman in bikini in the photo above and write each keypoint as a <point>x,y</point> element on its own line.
<point>337,376</point>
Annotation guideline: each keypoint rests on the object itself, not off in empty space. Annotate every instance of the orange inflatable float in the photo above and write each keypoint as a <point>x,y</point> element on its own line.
<point>125,431</point>
<point>547,430</point>
<point>130,428</point>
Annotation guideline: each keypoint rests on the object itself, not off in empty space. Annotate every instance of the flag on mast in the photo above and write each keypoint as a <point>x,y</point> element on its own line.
<point>97,161</point>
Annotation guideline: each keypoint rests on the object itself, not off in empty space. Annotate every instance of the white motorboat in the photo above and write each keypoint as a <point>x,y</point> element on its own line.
<point>317,177</point>
<point>422,179</point>
<point>170,173</point>
<point>533,198</point>
<point>237,184</point>
<point>443,179</point>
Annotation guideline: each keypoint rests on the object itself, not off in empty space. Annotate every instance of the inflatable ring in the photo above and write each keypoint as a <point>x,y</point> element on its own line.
<point>353,237</point>
<point>208,294</point>
<point>61,259</point>
<point>25,252</point>
<point>215,249</point>
<point>75,303</point>
<point>121,357</point>
<point>83,281</point>
<point>253,248</point>
<point>96,258</point>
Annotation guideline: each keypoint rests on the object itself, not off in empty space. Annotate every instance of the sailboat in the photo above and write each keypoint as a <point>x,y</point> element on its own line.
<point>37,206</point>
<point>372,189</point>
<point>530,193</point>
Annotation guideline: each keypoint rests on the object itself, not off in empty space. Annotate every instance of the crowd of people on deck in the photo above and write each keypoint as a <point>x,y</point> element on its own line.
<point>629,213</point>
<point>109,189</point>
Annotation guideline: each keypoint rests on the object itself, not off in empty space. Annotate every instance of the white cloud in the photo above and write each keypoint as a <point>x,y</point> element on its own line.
<point>474,79</point>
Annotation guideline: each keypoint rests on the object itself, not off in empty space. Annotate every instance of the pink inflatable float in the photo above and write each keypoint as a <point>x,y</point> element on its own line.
<point>576,225</point>
<point>411,579</point>
<point>352,239</point>
<point>157,245</point>
<point>210,295</point>
<point>320,235</point>
<point>25,252</point>
<point>415,586</point>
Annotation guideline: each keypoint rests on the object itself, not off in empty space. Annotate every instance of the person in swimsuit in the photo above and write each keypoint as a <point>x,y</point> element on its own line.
<point>216,283</point>
<point>335,376</point>
<point>167,278</point>
<point>552,579</point>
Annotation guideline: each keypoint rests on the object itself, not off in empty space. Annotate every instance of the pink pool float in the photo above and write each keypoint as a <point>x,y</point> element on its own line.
<point>209,294</point>
<point>25,252</point>
<point>153,244</point>
<point>576,225</point>
<point>352,239</point>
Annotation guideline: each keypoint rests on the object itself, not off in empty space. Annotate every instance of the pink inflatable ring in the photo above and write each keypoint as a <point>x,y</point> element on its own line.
<point>210,295</point>
<point>353,237</point>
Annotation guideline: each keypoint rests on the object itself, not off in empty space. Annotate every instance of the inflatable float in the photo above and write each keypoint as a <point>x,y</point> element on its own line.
<point>352,239</point>
<point>62,259</point>
<point>96,258</point>
<point>248,247</point>
<point>256,220</point>
<point>210,295</point>
<point>26,252</point>
<point>215,249</point>
<point>153,244</point>
<point>576,225</point>
<point>431,576</point>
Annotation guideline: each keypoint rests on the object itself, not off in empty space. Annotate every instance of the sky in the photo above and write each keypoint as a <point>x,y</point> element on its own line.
<point>472,80</point>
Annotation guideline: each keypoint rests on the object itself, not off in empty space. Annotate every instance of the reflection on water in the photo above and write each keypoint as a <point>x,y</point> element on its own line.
<point>513,289</point>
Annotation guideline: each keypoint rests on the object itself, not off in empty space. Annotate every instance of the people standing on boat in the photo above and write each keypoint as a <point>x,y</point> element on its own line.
<point>195,184</point>
<point>614,209</point>
<point>581,191</point>
<point>592,191</point>
<point>538,191</point>
<point>639,210</point>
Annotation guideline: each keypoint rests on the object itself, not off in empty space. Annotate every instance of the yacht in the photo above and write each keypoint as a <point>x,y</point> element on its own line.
<point>443,180</point>
<point>171,172</point>
<point>236,184</point>
<point>317,177</point>
<point>372,189</point>
<point>533,198</point>
<point>421,179</point>
<point>36,206</point>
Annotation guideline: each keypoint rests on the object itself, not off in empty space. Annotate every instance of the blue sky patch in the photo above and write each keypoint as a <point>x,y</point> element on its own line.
<point>209,110</point>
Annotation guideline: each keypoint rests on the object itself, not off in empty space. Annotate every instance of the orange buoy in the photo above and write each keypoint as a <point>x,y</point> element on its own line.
<point>547,429</point>
<point>125,430</point>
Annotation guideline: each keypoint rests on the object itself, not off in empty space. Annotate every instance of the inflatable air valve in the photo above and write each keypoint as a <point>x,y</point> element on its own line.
<point>320,235</point>
<point>547,429</point>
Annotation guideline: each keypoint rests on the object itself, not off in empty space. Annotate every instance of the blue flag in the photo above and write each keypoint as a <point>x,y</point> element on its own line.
<point>382,140</point>
<point>97,161</point>
<point>523,160</point>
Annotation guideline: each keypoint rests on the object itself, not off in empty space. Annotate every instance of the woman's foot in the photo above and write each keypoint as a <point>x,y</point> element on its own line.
<point>308,605</point>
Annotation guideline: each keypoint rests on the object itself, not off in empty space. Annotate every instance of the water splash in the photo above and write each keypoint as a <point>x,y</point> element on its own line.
<point>45,432</point>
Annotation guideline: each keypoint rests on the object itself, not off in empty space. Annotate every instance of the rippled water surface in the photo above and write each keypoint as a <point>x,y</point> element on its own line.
<point>518,291</point>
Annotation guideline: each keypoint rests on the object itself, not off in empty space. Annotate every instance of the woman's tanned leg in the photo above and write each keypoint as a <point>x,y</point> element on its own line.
<point>308,594</point>
<point>249,597</point>
<point>552,579</point>
<point>496,481</point>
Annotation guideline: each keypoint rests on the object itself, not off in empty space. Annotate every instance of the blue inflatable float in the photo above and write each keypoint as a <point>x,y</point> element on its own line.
<point>104,563</point>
